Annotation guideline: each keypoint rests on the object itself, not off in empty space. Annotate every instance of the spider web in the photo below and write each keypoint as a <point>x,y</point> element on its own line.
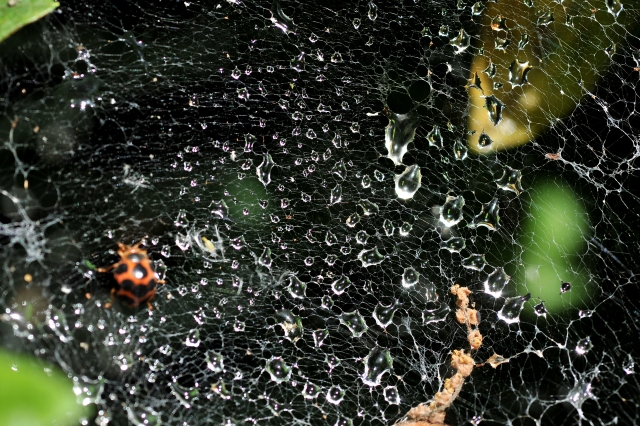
<point>301,174</point>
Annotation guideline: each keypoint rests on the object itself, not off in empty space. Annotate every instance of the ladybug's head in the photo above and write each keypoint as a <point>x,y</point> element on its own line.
<point>133,253</point>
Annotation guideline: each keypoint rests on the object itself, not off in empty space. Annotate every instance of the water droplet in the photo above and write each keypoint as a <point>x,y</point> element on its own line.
<point>460,150</point>
<point>373,11</point>
<point>408,182</point>
<point>484,140</point>
<point>279,19</point>
<point>354,322</point>
<point>264,169</point>
<point>496,281</point>
<point>340,169</point>
<point>476,262</point>
<point>193,339</point>
<point>545,19</point>
<point>587,313</point>
<point>584,346</point>
<point>377,363</point>
<point>434,137</point>
<point>443,31</point>
<point>313,38</point>
<point>362,237</point>
<point>370,257</point>
<point>410,277</point>
<point>477,8</point>
<point>336,194</point>
<point>369,208</point>
<point>391,395</point>
<point>488,216</point>
<point>510,180</point>
<point>236,73</point>
<point>343,421</point>
<point>326,302</point>
<point>399,133</point>
<point>335,395</point>
<point>383,315</point>
<point>352,220</point>
<point>278,369</point>
<point>332,361</point>
<point>215,361</point>
<point>336,58</point>
<point>330,238</point>
<point>310,391</point>
<point>297,289</point>
<point>629,365</point>
<point>510,312</point>
<point>356,23</point>
<point>405,229</point>
<point>454,245</point>
<point>501,43</point>
<point>461,42</point>
<point>220,209</point>
<point>291,325</point>
<point>518,72</point>
<point>565,287</point>
<point>494,107</point>
<point>340,285</point>
<point>388,227</point>
<point>451,211</point>
<point>524,40</point>
<point>540,310</point>
<point>265,258</point>
<point>491,70</point>
<point>319,336</point>
<point>366,181</point>
<point>614,7</point>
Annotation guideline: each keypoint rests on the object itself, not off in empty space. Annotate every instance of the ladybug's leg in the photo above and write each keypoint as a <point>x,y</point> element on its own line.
<point>161,282</point>
<point>108,268</point>
<point>110,303</point>
<point>149,305</point>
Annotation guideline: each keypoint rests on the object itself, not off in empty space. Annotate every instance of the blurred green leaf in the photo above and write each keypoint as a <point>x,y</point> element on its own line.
<point>22,13</point>
<point>553,239</point>
<point>33,393</point>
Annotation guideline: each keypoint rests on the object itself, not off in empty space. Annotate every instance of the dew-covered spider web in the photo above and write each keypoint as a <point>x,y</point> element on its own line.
<point>312,178</point>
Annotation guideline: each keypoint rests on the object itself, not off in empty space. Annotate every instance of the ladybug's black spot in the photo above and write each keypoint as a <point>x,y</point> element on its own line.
<point>127,285</point>
<point>139,272</point>
<point>140,291</point>
<point>127,300</point>
<point>135,257</point>
<point>121,269</point>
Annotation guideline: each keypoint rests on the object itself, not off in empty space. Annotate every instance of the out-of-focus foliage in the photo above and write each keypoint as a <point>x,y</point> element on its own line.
<point>15,14</point>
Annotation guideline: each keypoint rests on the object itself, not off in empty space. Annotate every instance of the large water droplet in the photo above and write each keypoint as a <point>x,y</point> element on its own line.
<point>494,107</point>
<point>373,11</point>
<point>362,237</point>
<point>518,72</point>
<point>310,391</point>
<point>340,285</point>
<point>279,19</point>
<point>584,345</point>
<point>356,23</point>
<point>291,325</point>
<point>451,210</point>
<point>545,19</point>
<point>340,169</point>
<point>278,369</point>
<point>434,137</point>
<point>460,150</point>
<point>377,363</point>
<point>410,277</point>
<point>488,216</point>
<point>335,395</point>
<point>354,322</point>
<point>540,310</point>
<point>297,289</point>
<point>565,287</point>
<point>336,194</point>
<point>510,180</point>
<point>391,395</point>
<point>476,262</point>
<point>454,245</point>
<point>193,339</point>
<point>408,182</point>
<point>215,361</point>
<point>319,336</point>
<point>330,238</point>
<point>461,42</point>
<point>383,315</point>
<point>399,133</point>
<point>388,227</point>
<point>369,208</point>
<point>265,258</point>
<point>614,7</point>
<point>264,169</point>
<point>496,281</point>
<point>510,312</point>
<point>352,220</point>
<point>370,257</point>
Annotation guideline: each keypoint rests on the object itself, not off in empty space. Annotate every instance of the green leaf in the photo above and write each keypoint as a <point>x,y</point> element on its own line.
<point>24,12</point>
<point>33,393</point>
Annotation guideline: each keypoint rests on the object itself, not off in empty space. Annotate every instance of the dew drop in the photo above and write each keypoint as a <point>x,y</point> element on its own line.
<point>388,227</point>
<point>310,391</point>
<point>484,140</point>
<point>377,363</point>
<point>362,237</point>
<point>330,239</point>
<point>290,324</point>
<point>391,395</point>
<point>510,180</point>
<point>340,285</point>
<point>369,208</point>
<point>319,336</point>
<point>584,345</point>
<point>264,169</point>
<point>540,309</point>
<point>494,107</point>
<point>476,262</point>
<point>454,245</point>
<point>339,169</point>
<point>383,315</point>
<point>408,182</point>
<point>565,287</point>
<point>451,211</point>
<point>410,277</point>
<point>460,150</point>
<point>434,137</point>
<point>545,19</point>
<point>518,72</point>
<point>373,11</point>
<point>336,194</point>
<point>629,365</point>
<point>495,282</point>
<point>461,42</point>
<point>399,133</point>
<point>488,216</point>
<point>297,289</point>
<point>215,361</point>
<point>335,395</point>
<point>278,369</point>
<point>279,19</point>
<point>265,258</point>
<point>366,181</point>
<point>354,322</point>
<point>352,220</point>
<point>510,312</point>
<point>193,339</point>
<point>370,257</point>
<point>614,7</point>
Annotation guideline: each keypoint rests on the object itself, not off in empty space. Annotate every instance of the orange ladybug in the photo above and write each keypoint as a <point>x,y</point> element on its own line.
<point>135,275</point>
